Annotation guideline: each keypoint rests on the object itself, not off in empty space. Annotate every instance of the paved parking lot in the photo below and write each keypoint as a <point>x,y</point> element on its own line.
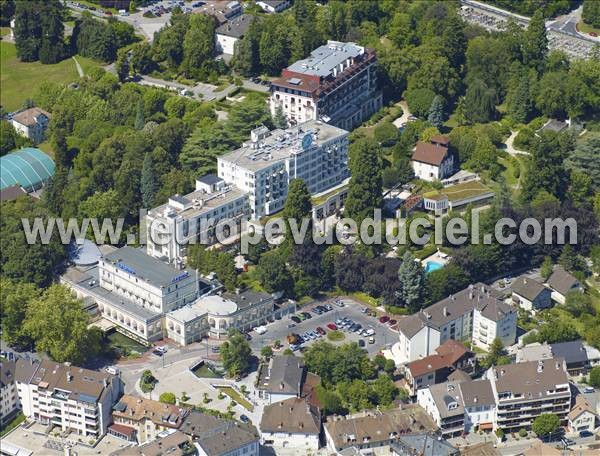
<point>278,330</point>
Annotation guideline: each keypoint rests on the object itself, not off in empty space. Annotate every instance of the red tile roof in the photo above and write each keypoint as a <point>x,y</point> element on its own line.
<point>447,354</point>
<point>432,154</point>
<point>121,429</point>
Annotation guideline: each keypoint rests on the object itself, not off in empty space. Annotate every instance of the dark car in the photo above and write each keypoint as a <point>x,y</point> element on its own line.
<point>392,322</point>
<point>361,342</point>
<point>584,434</point>
<point>244,419</point>
<point>384,319</point>
<point>321,330</point>
<point>306,315</point>
<point>317,311</point>
<point>248,336</point>
<point>295,319</point>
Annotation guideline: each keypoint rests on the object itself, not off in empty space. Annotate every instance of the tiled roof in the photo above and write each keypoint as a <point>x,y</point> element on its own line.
<point>29,116</point>
<point>294,416</point>
<point>137,408</point>
<point>432,154</point>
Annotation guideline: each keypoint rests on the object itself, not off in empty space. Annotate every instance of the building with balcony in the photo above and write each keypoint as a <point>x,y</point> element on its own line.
<point>141,420</point>
<point>337,84</point>
<point>70,398</point>
<point>315,152</point>
<point>526,390</point>
<point>195,218</point>
<point>375,428</point>
<point>582,416</point>
<point>474,314</point>
<point>9,399</point>
<point>444,403</point>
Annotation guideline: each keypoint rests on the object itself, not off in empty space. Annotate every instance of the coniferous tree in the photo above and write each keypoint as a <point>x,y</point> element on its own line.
<point>122,66</point>
<point>364,191</point>
<point>148,184</point>
<point>412,280</point>
<point>139,116</point>
<point>39,31</point>
<point>521,105</point>
<point>535,43</point>
<point>436,112</point>
<point>279,119</point>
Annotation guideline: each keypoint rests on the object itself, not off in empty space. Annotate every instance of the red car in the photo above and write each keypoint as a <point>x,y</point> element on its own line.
<point>321,330</point>
<point>384,319</point>
<point>332,326</point>
<point>392,322</point>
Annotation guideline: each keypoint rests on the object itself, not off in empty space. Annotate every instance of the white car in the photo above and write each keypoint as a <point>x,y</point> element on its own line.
<point>113,370</point>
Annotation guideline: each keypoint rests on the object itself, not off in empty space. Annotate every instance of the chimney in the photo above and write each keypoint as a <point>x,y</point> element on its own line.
<point>525,280</point>
<point>470,294</point>
<point>69,376</point>
<point>446,312</point>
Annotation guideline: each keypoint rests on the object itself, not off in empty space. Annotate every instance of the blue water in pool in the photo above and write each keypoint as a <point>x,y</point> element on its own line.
<point>432,266</point>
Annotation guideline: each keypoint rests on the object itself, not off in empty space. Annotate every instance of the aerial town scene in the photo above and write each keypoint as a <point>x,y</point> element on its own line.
<point>300,227</point>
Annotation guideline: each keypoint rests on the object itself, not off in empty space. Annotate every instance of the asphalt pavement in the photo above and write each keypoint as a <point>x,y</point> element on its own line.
<point>279,329</point>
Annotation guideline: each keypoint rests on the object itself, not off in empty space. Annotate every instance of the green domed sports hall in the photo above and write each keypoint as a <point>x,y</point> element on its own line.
<point>29,168</point>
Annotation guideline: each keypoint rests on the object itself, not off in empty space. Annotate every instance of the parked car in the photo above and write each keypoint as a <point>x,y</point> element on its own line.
<point>369,332</point>
<point>294,347</point>
<point>332,326</point>
<point>321,330</point>
<point>295,319</point>
<point>292,325</point>
<point>306,315</point>
<point>244,419</point>
<point>216,349</point>
<point>384,319</point>
<point>317,311</point>
<point>328,306</point>
<point>371,340</point>
<point>589,389</point>
<point>339,303</point>
<point>365,310</point>
<point>248,336</point>
<point>112,370</point>
<point>361,343</point>
<point>585,434</point>
<point>392,322</point>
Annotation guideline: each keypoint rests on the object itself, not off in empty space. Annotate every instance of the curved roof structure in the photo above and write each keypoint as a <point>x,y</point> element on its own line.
<point>28,167</point>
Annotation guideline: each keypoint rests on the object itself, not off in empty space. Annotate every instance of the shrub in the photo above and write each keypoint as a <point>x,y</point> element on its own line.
<point>595,377</point>
<point>522,433</point>
<point>500,433</point>
<point>168,398</point>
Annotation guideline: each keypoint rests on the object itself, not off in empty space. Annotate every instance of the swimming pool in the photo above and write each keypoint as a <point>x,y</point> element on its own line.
<point>432,266</point>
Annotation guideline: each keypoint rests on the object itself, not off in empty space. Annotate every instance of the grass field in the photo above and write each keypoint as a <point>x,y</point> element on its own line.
<point>19,80</point>
<point>461,191</point>
<point>233,394</point>
<point>587,28</point>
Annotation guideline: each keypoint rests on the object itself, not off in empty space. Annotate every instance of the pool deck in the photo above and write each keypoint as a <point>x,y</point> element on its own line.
<point>438,257</point>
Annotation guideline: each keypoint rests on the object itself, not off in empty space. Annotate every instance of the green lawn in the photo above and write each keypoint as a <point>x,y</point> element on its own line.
<point>4,31</point>
<point>335,336</point>
<point>233,394</point>
<point>19,80</point>
<point>587,28</point>
<point>460,191</point>
<point>18,419</point>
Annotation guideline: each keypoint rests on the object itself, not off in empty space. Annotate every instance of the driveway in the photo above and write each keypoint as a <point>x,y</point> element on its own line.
<point>403,119</point>
<point>509,145</point>
<point>278,330</point>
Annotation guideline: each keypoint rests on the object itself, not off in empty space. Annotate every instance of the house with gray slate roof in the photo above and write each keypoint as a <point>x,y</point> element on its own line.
<point>530,295</point>
<point>561,283</point>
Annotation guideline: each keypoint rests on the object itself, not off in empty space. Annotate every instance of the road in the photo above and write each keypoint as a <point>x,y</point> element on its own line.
<point>403,119</point>
<point>509,145</point>
<point>206,92</point>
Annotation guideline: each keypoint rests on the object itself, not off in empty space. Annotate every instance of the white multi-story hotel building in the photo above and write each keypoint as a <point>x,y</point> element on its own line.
<point>315,152</point>
<point>337,83</point>
<point>133,290</point>
<point>193,218</point>
<point>72,398</point>
<point>472,314</point>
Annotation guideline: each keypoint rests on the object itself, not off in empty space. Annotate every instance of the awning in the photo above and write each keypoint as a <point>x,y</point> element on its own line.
<point>486,426</point>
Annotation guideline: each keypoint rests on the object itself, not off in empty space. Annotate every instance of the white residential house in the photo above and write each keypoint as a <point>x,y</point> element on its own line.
<point>479,403</point>
<point>432,160</point>
<point>9,399</point>
<point>291,424</point>
<point>274,6</point>
<point>494,319</point>
<point>562,283</point>
<point>582,416</point>
<point>530,295</point>
<point>31,123</point>
<point>281,379</point>
<point>444,404</point>
<point>229,33</point>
